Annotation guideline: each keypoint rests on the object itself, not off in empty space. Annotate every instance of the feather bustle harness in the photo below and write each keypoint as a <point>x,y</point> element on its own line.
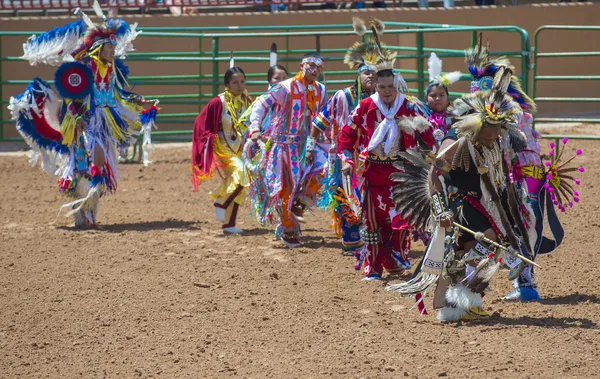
<point>473,112</point>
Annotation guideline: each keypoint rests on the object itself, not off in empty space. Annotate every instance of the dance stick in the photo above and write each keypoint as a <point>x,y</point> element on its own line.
<point>496,244</point>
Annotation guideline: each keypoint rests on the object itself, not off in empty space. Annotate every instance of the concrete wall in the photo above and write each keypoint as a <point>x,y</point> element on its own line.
<point>528,17</point>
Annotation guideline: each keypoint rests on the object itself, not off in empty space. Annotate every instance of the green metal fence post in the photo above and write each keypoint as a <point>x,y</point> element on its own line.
<point>200,70</point>
<point>1,85</point>
<point>525,61</point>
<point>287,50</point>
<point>215,66</point>
<point>318,43</point>
<point>420,64</point>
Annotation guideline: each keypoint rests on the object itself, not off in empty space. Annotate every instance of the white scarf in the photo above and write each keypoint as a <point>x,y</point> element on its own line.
<point>387,130</point>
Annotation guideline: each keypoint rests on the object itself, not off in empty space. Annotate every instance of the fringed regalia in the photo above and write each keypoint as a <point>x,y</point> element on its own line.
<point>76,126</point>
<point>526,168</point>
<point>382,134</point>
<point>254,158</point>
<point>477,193</point>
<point>217,146</point>
<point>340,193</point>
<point>292,184</point>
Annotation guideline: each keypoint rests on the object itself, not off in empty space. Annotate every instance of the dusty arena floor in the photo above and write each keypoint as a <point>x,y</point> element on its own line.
<point>158,291</point>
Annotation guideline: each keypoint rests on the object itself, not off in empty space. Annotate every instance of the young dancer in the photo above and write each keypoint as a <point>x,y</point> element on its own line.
<point>77,138</point>
<point>217,146</point>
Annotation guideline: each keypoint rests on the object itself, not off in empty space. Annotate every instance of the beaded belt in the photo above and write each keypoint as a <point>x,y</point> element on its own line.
<point>535,172</point>
<point>286,138</point>
<point>376,160</point>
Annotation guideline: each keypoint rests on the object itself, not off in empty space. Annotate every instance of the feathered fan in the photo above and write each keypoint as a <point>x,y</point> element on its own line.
<point>411,194</point>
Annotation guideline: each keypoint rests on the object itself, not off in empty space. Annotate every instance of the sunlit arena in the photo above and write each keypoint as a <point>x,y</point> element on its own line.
<point>299,189</point>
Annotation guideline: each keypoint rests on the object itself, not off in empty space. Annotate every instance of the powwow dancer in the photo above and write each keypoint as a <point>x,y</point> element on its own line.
<point>292,183</point>
<point>382,126</point>
<point>340,192</point>
<point>217,146</point>
<point>255,151</point>
<point>526,167</point>
<point>476,178</point>
<point>436,97</point>
<point>77,140</point>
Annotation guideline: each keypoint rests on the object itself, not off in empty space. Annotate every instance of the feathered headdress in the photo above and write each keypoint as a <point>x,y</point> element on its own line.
<point>370,53</point>
<point>77,39</point>
<point>435,72</point>
<point>489,108</point>
<point>483,68</point>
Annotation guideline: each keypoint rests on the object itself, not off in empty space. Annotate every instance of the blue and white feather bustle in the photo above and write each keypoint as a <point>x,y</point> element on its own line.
<point>55,46</point>
<point>39,102</point>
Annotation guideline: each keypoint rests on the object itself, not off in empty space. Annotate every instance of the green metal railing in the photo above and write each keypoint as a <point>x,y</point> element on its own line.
<point>207,84</point>
<point>537,78</point>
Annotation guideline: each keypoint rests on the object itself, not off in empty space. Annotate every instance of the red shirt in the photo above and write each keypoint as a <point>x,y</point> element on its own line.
<point>365,119</point>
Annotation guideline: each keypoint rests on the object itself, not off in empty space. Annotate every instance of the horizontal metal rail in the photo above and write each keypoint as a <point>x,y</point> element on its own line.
<point>563,54</point>
<point>286,54</point>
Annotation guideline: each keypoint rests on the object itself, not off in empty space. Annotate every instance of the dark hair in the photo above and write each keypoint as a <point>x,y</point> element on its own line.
<point>385,73</point>
<point>432,84</point>
<point>229,74</point>
<point>272,70</point>
<point>312,54</point>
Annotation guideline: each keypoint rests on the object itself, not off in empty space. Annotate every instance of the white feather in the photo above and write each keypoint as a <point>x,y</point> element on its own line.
<point>444,151</point>
<point>452,77</point>
<point>88,21</point>
<point>273,55</point>
<point>434,66</point>
<point>231,60</point>
<point>98,9</point>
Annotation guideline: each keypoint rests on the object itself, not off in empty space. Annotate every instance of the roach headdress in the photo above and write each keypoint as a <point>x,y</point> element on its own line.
<point>484,69</point>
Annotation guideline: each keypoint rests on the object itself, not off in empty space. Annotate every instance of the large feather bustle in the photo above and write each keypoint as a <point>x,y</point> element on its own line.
<point>55,46</point>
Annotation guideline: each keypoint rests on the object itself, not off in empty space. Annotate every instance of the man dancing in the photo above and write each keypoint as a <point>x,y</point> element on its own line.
<point>292,183</point>
<point>340,192</point>
<point>383,125</point>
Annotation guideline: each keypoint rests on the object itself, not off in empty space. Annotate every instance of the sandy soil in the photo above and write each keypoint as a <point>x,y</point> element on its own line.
<point>158,291</point>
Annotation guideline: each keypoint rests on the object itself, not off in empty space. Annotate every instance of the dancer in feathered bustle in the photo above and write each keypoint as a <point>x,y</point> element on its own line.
<point>527,170</point>
<point>293,184</point>
<point>476,193</point>
<point>217,146</point>
<point>78,142</point>
<point>436,97</point>
<point>340,193</point>
<point>383,126</point>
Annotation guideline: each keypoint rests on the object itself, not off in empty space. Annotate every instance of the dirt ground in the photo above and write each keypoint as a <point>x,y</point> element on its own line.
<point>158,291</point>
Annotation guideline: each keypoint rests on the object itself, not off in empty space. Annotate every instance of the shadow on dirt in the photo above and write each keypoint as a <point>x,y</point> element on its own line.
<point>574,298</point>
<point>544,322</point>
<point>141,226</point>
<point>257,232</point>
